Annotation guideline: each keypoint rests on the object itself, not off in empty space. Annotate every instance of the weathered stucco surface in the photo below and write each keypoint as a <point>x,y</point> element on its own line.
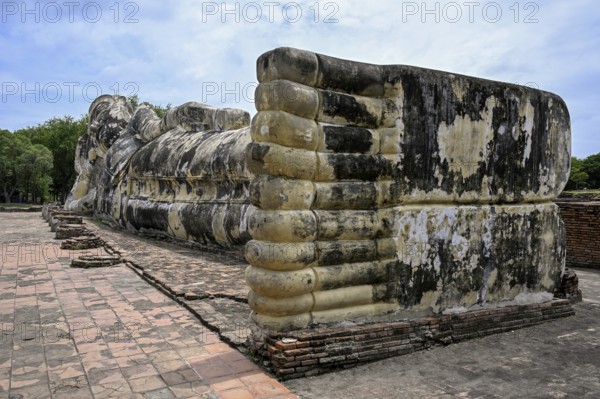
<point>183,175</point>
<point>357,189</point>
<point>389,188</point>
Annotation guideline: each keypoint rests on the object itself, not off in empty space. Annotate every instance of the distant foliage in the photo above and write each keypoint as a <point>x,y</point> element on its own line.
<point>59,136</point>
<point>159,109</point>
<point>134,100</point>
<point>585,173</point>
<point>25,168</point>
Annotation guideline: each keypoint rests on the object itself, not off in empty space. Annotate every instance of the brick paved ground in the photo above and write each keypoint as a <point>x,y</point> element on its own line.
<point>100,333</point>
<point>210,283</point>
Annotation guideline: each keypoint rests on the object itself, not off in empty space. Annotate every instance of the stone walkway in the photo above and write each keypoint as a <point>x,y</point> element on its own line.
<point>102,333</point>
<point>210,282</point>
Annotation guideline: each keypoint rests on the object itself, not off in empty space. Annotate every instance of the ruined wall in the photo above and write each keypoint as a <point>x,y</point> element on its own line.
<point>582,222</point>
<point>389,188</point>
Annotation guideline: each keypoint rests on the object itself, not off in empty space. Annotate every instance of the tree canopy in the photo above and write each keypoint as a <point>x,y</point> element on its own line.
<point>24,168</point>
<point>60,136</point>
<point>585,173</point>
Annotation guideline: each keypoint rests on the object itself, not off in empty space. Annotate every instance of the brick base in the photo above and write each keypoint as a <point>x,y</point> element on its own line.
<point>314,351</point>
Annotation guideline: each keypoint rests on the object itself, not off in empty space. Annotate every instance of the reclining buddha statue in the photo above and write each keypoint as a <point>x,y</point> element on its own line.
<point>356,189</point>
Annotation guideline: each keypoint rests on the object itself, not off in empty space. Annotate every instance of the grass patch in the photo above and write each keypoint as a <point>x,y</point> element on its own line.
<point>16,205</point>
<point>583,192</point>
<point>587,194</point>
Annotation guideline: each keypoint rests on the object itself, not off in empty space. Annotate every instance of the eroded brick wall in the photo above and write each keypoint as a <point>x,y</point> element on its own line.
<point>310,352</point>
<point>582,222</point>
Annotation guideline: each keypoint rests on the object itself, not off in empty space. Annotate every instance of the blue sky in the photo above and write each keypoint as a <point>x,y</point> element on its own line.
<point>57,56</point>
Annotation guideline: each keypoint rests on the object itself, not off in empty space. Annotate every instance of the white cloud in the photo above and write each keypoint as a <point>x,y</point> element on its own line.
<point>174,51</point>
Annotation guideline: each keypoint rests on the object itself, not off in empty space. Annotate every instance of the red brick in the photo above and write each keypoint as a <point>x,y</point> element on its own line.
<point>282,346</point>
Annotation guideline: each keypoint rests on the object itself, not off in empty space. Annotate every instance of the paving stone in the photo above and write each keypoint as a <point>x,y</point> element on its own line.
<point>181,270</point>
<point>131,361</point>
<point>171,365</point>
<point>65,372</point>
<point>146,384</point>
<point>236,393</point>
<point>180,376</point>
<point>71,387</point>
<point>112,390</point>
<point>99,376</point>
<point>38,391</point>
<point>164,393</point>
<point>230,318</point>
<point>4,384</point>
<point>192,390</point>
<point>138,371</point>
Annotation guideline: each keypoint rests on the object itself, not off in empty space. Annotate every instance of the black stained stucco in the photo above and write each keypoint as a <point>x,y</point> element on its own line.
<point>349,76</point>
<point>219,161</point>
<point>197,222</point>
<point>335,252</point>
<point>84,145</point>
<point>192,153</point>
<point>334,224</point>
<point>347,139</point>
<point>236,213</point>
<point>106,128</point>
<point>256,155</point>
<point>363,167</point>
<point>363,277</point>
<point>362,195</point>
<point>428,101</point>
<point>517,248</point>
<point>430,98</point>
<point>157,157</point>
<point>346,106</point>
<point>148,216</point>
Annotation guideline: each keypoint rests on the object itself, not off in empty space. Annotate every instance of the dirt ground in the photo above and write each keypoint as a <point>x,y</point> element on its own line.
<point>560,359</point>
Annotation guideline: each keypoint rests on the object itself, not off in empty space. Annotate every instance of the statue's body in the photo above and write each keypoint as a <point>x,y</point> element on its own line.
<point>164,175</point>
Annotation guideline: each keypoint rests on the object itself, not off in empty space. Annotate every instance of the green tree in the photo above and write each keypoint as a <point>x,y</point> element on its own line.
<point>591,166</point>
<point>33,169</point>
<point>7,176</point>
<point>134,100</point>
<point>578,178</point>
<point>60,136</point>
<point>160,110</point>
<point>11,148</point>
